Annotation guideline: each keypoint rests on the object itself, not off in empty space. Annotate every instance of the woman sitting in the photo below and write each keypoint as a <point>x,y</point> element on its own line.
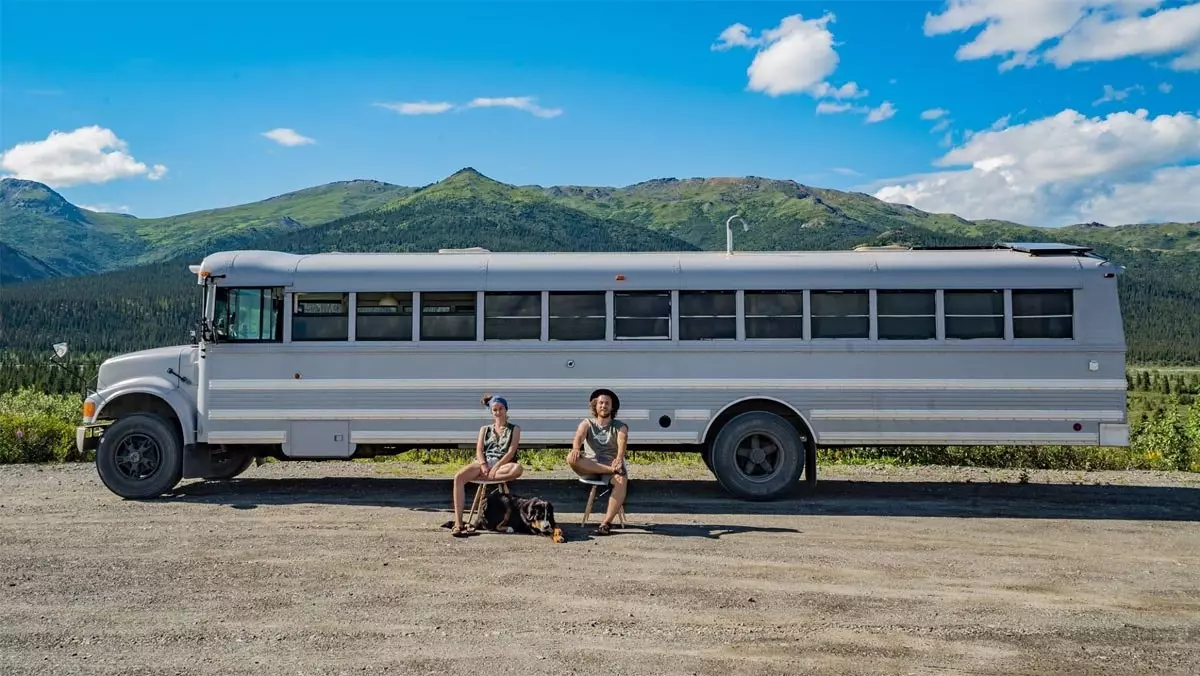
<point>495,458</point>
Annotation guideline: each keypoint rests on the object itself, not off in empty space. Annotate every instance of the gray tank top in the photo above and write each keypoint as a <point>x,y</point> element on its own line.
<point>496,445</point>
<point>601,440</point>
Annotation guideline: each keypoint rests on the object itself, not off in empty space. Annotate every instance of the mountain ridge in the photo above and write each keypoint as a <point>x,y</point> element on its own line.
<point>65,239</point>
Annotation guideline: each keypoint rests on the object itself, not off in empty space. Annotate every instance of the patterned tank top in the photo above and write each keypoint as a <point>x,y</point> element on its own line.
<point>496,445</point>
<point>600,441</point>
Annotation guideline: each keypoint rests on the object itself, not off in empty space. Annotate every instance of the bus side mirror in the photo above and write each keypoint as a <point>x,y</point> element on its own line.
<point>60,350</point>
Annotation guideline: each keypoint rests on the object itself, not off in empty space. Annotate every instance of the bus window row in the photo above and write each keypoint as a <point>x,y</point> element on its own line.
<point>257,315</point>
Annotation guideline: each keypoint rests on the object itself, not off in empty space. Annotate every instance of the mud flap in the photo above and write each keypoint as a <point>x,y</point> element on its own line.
<point>197,461</point>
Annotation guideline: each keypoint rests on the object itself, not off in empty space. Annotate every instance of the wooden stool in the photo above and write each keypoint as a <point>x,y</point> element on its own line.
<point>596,483</point>
<point>481,496</point>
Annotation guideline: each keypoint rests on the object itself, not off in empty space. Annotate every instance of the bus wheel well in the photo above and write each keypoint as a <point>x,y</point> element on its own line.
<point>766,405</point>
<point>141,402</point>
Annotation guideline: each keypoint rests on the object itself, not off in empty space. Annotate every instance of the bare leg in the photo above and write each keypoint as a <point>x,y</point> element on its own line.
<point>620,484</point>
<point>588,466</point>
<point>509,471</point>
<point>467,474</point>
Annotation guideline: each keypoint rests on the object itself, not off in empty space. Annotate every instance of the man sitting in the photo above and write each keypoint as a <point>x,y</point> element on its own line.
<point>599,449</point>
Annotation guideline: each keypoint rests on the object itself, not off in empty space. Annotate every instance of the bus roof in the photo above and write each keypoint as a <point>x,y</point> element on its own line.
<point>1003,266</point>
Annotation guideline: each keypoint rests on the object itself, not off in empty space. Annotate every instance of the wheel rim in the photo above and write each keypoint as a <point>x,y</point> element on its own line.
<point>759,457</point>
<point>138,457</point>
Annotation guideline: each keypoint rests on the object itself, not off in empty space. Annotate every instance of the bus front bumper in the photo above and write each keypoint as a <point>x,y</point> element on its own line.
<point>87,437</point>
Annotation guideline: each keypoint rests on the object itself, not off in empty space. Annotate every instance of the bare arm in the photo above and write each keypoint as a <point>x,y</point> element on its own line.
<point>622,441</point>
<point>479,448</point>
<point>577,442</point>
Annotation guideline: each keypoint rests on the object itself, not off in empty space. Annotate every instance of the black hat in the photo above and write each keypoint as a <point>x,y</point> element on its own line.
<point>612,395</point>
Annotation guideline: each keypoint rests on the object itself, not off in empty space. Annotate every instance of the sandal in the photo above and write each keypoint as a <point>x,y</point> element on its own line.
<point>604,529</point>
<point>461,531</point>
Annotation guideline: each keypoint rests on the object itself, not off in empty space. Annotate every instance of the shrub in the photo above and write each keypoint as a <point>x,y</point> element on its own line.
<point>36,438</point>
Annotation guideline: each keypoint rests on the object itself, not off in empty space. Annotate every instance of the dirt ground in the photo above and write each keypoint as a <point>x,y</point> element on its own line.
<point>343,568</point>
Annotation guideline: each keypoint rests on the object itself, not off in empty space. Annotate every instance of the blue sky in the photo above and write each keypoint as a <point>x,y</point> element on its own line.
<point>627,92</point>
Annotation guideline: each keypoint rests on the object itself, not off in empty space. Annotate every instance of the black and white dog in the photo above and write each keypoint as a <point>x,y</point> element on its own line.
<point>508,513</point>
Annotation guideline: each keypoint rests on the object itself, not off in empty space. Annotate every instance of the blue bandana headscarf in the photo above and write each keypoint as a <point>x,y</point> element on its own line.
<point>498,400</point>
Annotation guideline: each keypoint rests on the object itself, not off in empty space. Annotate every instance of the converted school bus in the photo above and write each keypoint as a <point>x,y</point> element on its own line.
<point>752,359</point>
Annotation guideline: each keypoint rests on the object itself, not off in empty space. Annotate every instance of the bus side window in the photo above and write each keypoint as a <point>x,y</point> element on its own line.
<point>320,316</point>
<point>1043,314</point>
<point>774,314</point>
<point>248,315</point>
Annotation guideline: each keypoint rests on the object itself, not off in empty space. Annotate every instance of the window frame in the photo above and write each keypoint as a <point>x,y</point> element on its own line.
<point>670,294</point>
<point>733,294</point>
<point>348,315</point>
<point>878,316</point>
<point>402,298</point>
<point>870,315</point>
<point>476,323</point>
<point>1013,317</point>
<point>535,320</point>
<point>276,293</point>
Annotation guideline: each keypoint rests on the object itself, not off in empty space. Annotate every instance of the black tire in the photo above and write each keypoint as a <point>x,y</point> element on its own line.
<point>766,444</point>
<point>140,456</point>
<point>706,455</point>
<point>229,463</point>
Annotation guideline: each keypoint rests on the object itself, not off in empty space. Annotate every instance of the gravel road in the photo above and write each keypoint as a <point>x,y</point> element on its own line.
<point>332,568</point>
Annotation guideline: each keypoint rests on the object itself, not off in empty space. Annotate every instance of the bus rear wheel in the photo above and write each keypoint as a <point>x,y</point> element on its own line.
<point>140,456</point>
<point>758,456</point>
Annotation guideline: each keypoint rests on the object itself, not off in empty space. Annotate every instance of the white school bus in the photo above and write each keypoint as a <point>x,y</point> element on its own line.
<point>752,359</point>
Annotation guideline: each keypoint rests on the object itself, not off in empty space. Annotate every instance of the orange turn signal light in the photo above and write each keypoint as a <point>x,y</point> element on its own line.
<point>89,410</point>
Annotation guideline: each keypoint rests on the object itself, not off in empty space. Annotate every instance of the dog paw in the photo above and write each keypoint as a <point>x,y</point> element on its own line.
<point>558,536</point>
<point>508,530</point>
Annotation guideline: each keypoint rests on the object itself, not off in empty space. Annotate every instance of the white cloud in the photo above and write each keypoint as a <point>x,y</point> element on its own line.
<point>942,125</point>
<point>287,137</point>
<point>878,114</point>
<point>881,112</point>
<point>1113,94</point>
<point>1165,87</point>
<point>846,171</point>
<point>525,103</point>
<point>831,108</point>
<point>418,107</point>
<point>86,155</point>
<point>795,57</point>
<point>105,208</point>
<point>1080,30</point>
<point>737,35</point>
<point>934,113</point>
<point>1125,167</point>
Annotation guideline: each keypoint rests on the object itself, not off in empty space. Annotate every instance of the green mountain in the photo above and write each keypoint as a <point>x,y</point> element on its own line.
<point>152,304</point>
<point>18,267</point>
<point>37,222</point>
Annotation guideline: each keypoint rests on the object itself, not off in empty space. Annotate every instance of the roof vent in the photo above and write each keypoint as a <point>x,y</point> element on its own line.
<point>886,247</point>
<point>474,249</point>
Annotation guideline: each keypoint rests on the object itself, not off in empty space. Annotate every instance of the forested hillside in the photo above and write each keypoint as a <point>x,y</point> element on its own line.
<point>156,304</point>
<point>37,223</point>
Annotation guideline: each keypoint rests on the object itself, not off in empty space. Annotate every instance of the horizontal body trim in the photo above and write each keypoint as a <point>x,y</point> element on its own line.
<point>992,414</point>
<point>406,414</point>
<point>790,345</point>
<point>246,437</point>
<point>954,438</point>
<point>476,384</point>
<point>561,438</point>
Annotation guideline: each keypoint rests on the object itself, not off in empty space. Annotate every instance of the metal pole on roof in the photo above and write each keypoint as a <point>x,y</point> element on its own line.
<point>729,232</point>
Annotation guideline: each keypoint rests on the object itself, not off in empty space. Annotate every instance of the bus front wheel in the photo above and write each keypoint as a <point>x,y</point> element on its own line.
<point>758,456</point>
<point>140,456</point>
